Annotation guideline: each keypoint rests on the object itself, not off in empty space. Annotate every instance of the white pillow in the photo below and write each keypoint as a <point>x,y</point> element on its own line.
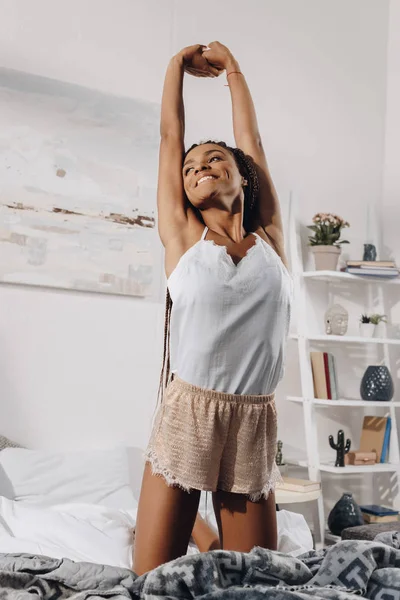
<point>47,478</point>
<point>80,532</point>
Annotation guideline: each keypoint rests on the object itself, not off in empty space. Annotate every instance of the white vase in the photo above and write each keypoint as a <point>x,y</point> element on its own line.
<point>367,329</point>
<point>326,257</point>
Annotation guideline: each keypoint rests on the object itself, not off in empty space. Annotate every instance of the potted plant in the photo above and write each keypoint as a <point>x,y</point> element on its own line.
<point>366,327</point>
<point>378,321</point>
<point>325,243</point>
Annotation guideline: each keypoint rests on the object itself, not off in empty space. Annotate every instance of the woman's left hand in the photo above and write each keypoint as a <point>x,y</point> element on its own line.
<point>194,62</point>
<point>218,55</point>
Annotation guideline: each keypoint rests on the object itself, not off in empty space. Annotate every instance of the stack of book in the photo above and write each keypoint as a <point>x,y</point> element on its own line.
<point>373,513</point>
<point>373,268</point>
<point>291,484</point>
<point>324,375</point>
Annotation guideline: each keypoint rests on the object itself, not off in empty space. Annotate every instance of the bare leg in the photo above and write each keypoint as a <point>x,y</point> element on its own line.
<point>164,524</point>
<point>243,524</point>
<point>204,536</point>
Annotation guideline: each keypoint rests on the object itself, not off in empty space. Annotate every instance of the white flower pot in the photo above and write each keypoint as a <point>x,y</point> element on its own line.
<point>283,469</point>
<point>379,331</point>
<point>326,257</point>
<point>367,329</point>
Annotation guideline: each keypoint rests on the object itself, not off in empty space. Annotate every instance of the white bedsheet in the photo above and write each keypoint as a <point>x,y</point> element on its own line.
<point>81,532</point>
<point>93,533</point>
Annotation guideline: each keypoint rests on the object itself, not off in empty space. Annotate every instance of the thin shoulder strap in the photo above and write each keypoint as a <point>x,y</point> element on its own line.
<point>203,237</point>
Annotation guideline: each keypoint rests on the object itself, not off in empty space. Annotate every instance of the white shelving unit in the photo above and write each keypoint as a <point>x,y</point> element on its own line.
<point>286,497</point>
<point>343,402</point>
<point>349,339</point>
<point>341,276</point>
<point>305,342</point>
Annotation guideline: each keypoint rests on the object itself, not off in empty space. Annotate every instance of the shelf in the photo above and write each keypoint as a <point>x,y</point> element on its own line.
<point>347,339</point>
<point>343,402</point>
<point>311,287</point>
<point>332,276</point>
<point>349,469</point>
<point>296,462</point>
<point>287,497</point>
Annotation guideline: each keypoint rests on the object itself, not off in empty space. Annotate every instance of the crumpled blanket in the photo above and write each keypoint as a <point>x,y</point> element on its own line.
<point>351,567</point>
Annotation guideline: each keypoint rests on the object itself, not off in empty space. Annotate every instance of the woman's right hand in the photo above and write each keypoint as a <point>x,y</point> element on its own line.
<point>195,63</point>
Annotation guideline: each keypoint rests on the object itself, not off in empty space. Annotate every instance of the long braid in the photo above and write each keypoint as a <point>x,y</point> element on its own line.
<point>248,169</point>
<point>165,375</point>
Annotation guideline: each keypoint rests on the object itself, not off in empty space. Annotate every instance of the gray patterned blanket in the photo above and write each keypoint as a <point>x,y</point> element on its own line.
<point>368,569</point>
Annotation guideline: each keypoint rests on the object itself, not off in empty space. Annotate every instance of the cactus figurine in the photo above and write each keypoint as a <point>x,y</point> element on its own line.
<point>340,447</point>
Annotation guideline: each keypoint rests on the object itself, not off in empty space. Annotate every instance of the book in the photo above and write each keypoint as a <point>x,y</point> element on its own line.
<point>318,371</point>
<point>386,440</point>
<point>371,263</point>
<point>373,435</point>
<point>368,518</point>
<point>327,376</point>
<point>333,377</point>
<point>290,484</point>
<point>378,268</point>
<point>379,511</point>
<point>375,272</point>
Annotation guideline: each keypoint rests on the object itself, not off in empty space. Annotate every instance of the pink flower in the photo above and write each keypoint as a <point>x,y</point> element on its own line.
<point>330,219</point>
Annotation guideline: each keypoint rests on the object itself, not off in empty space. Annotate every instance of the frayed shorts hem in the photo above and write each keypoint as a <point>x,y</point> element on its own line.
<point>172,481</point>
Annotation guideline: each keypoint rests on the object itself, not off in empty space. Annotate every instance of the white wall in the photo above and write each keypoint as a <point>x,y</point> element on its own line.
<point>317,71</point>
<point>77,370</point>
<point>391,172</point>
<point>119,48</point>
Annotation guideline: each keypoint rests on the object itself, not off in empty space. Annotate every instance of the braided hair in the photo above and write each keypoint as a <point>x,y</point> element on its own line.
<point>247,169</point>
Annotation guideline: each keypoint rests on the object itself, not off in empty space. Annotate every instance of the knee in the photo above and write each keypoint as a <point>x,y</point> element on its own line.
<point>273,545</point>
<point>138,571</point>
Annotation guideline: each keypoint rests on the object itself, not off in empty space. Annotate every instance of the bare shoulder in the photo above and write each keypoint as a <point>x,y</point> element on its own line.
<point>276,243</point>
<point>178,245</point>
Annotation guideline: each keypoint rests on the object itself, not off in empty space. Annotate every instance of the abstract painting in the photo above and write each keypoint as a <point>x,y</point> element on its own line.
<point>78,172</point>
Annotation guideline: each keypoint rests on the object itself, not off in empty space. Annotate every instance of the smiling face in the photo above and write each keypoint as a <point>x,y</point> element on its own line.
<point>211,176</point>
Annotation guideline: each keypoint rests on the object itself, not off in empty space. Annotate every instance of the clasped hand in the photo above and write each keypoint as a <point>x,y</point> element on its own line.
<point>206,61</point>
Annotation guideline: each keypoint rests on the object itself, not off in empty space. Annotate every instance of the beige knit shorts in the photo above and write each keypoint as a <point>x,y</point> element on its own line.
<point>207,440</point>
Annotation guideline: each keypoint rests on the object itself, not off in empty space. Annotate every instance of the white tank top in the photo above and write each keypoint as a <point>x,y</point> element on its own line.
<point>229,322</point>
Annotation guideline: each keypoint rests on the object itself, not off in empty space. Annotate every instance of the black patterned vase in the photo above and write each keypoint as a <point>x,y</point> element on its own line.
<point>369,252</point>
<point>377,384</point>
<point>345,513</point>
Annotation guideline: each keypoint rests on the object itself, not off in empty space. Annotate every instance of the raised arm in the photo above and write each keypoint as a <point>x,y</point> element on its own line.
<point>248,139</point>
<point>172,208</point>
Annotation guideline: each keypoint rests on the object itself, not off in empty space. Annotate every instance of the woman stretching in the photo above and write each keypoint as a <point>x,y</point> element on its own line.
<point>227,315</point>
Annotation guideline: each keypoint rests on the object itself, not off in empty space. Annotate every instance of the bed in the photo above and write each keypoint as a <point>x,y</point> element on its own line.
<point>77,505</point>
<point>66,531</point>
